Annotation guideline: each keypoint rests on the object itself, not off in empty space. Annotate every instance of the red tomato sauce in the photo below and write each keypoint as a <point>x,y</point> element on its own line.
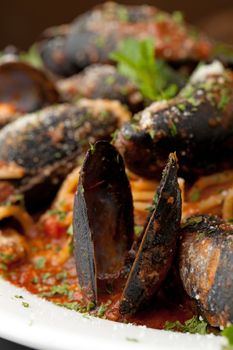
<point>47,273</point>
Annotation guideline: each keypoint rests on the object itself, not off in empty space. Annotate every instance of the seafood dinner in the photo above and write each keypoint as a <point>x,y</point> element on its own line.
<point>116,169</point>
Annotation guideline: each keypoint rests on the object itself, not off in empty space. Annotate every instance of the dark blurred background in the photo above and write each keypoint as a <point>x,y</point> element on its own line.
<point>21,22</point>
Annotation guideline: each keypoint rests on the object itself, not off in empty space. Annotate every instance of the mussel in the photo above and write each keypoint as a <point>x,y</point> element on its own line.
<point>206,266</point>
<point>103,229</point>
<point>39,149</point>
<point>52,50</point>
<point>197,124</point>
<point>101,81</point>
<point>103,217</point>
<point>96,33</point>
<point>23,89</point>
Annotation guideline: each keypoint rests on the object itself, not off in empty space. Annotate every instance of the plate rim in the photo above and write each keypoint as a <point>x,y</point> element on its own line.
<point>34,325</point>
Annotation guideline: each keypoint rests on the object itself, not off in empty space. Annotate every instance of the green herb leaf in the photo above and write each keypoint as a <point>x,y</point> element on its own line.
<point>32,57</point>
<point>136,61</point>
<point>6,257</point>
<point>62,289</point>
<point>16,199</point>
<point>178,17</point>
<point>46,276</point>
<point>3,266</point>
<point>92,148</point>
<point>228,333</point>
<point>223,50</point>
<point>71,306</point>
<point>40,262</point>
<point>59,213</point>
<point>223,102</point>
<point>70,231</point>
<point>134,340</point>
<point>194,325</point>
<point>173,129</point>
<point>122,13</point>
<point>77,307</point>
<point>192,221</point>
<point>195,196</point>
<point>154,203</point>
<point>26,305</point>
<point>61,275</point>
<point>35,280</point>
<point>103,308</point>
<point>138,230</point>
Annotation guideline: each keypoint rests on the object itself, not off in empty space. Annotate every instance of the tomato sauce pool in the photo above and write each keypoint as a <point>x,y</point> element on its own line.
<point>45,271</point>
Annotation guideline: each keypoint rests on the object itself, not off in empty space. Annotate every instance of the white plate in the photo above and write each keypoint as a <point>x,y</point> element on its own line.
<point>46,326</point>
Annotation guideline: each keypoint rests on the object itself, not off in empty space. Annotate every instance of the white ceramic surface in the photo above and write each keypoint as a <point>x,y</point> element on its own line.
<point>48,327</point>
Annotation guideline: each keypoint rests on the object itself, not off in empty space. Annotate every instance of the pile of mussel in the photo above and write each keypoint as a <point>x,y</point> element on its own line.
<point>49,117</point>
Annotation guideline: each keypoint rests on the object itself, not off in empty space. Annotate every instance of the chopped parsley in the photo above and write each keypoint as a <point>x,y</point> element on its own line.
<point>3,266</point>
<point>90,306</point>
<point>61,275</point>
<point>152,133</point>
<point>86,309</point>
<point>173,129</point>
<point>32,57</point>
<point>194,325</point>
<point>61,214</point>
<point>102,309</point>
<point>100,41</point>
<point>122,13</point>
<point>46,276</point>
<point>223,102</point>
<point>92,148</point>
<point>81,189</point>
<point>26,305</point>
<point>134,340</point>
<point>136,61</point>
<point>138,230</point>
<point>161,17</point>
<point>192,221</point>
<point>181,107</point>
<point>71,306</point>
<point>35,280</point>
<point>18,296</point>
<point>195,196</point>
<point>178,17</point>
<point>62,289</point>
<point>228,333</point>
<point>40,262</point>
<point>110,80</point>
<point>16,199</point>
<point>70,231</point>
<point>7,257</point>
<point>77,306</point>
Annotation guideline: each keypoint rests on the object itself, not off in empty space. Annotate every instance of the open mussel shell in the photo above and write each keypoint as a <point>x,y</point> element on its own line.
<point>206,266</point>
<point>156,251</point>
<point>103,229</point>
<point>23,89</point>
<point>103,218</point>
